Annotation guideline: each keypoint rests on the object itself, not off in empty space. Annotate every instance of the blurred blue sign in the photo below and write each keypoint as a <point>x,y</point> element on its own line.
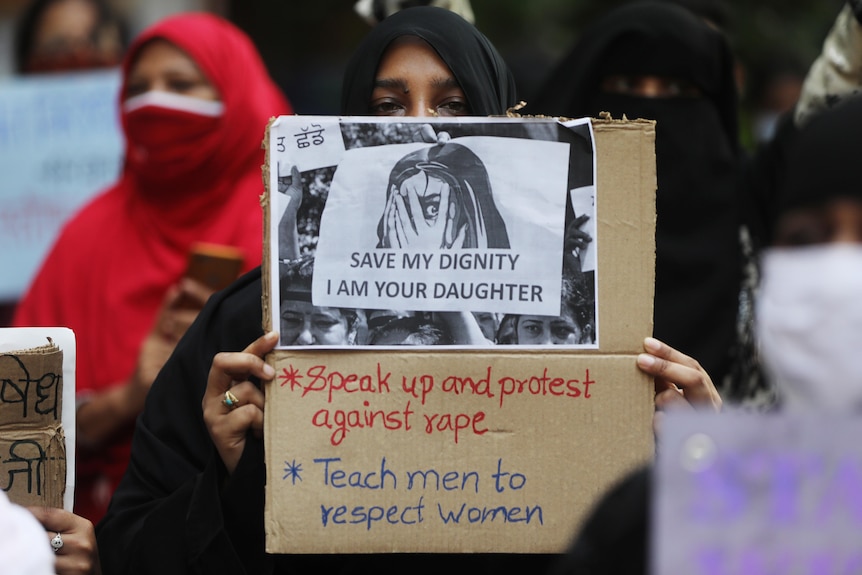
<point>60,144</point>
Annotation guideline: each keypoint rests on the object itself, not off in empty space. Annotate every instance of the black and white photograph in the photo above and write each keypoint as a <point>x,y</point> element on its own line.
<point>459,233</point>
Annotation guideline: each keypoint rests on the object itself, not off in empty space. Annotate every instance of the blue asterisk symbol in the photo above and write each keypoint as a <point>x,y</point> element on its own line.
<point>292,469</point>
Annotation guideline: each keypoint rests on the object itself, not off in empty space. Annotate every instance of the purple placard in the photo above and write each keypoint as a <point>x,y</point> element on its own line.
<point>758,494</point>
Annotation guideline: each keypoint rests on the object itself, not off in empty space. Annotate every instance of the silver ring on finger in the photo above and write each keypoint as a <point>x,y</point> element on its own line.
<point>57,542</point>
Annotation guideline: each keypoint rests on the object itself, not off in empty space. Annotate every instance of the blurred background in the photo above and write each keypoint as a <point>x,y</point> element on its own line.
<point>305,45</point>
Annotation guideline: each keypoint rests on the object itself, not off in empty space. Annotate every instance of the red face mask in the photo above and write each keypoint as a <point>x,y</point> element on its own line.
<point>170,136</point>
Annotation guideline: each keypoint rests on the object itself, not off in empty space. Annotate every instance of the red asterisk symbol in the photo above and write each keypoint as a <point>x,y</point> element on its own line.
<point>290,375</point>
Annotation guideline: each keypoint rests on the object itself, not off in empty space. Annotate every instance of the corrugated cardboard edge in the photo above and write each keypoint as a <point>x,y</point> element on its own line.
<point>49,473</point>
<point>264,204</point>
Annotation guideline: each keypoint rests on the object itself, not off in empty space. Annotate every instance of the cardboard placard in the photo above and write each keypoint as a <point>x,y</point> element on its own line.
<point>755,493</point>
<point>468,449</point>
<point>35,402</point>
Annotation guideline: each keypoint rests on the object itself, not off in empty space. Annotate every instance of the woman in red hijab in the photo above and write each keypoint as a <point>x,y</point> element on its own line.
<point>195,102</point>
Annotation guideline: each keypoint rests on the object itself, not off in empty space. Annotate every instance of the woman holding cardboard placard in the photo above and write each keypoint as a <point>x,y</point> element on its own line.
<point>193,497</point>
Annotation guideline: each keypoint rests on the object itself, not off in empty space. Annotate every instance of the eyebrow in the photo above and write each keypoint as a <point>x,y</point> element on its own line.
<point>401,84</point>
<point>392,84</point>
<point>447,82</point>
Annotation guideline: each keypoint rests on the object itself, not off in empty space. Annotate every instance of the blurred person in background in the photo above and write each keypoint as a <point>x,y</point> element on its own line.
<point>68,35</point>
<point>773,89</point>
<point>715,204</point>
<point>809,313</point>
<point>809,321</point>
<point>65,36</point>
<point>659,61</point>
<point>195,102</point>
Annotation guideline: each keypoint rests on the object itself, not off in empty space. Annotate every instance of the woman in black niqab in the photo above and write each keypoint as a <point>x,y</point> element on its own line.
<point>698,256</point>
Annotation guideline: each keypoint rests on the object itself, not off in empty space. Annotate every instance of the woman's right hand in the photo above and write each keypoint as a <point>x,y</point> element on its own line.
<point>229,426</point>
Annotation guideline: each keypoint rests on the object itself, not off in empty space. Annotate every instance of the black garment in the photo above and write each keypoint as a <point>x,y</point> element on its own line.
<point>821,162</point>
<point>477,66</point>
<point>615,537</point>
<point>176,510</point>
<point>698,259</point>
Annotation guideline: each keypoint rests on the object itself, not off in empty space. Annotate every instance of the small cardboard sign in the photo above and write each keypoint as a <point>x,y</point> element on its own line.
<point>34,404</point>
<point>753,493</point>
<point>476,445</point>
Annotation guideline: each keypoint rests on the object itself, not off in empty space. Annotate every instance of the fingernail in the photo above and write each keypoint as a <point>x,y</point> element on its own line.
<point>268,371</point>
<point>652,344</point>
<point>645,360</point>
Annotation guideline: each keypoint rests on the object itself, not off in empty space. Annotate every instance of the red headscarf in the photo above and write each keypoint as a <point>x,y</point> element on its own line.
<point>107,274</point>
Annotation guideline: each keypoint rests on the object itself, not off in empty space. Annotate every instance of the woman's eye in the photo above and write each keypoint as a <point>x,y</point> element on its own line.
<point>453,108</point>
<point>135,89</point>
<point>387,108</point>
<point>618,84</point>
<point>182,86</point>
<point>804,230</point>
<point>806,236</point>
<point>562,331</point>
<point>533,329</point>
<point>673,88</point>
<point>291,321</point>
<point>325,324</point>
<point>678,87</point>
<point>430,206</point>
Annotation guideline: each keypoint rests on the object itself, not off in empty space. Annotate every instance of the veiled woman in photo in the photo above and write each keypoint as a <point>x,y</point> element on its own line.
<point>440,197</point>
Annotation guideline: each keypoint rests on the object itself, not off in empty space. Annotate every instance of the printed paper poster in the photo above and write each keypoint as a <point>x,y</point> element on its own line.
<point>456,233</point>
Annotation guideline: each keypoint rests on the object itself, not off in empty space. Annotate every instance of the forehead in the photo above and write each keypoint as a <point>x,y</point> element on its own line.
<point>296,306</point>
<point>159,52</point>
<point>68,19</point>
<point>564,318</point>
<point>411,55</point>
<point>306,307</point>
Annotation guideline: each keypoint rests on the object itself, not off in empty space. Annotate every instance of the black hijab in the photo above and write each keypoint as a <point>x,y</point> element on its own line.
<point>822,161</point>
<point>698,260</point>
<point>477,66</point>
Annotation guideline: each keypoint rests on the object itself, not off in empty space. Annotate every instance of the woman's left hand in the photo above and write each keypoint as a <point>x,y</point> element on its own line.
<point>79,553</point>
<point>680,381</point>
<point>228,425</point>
